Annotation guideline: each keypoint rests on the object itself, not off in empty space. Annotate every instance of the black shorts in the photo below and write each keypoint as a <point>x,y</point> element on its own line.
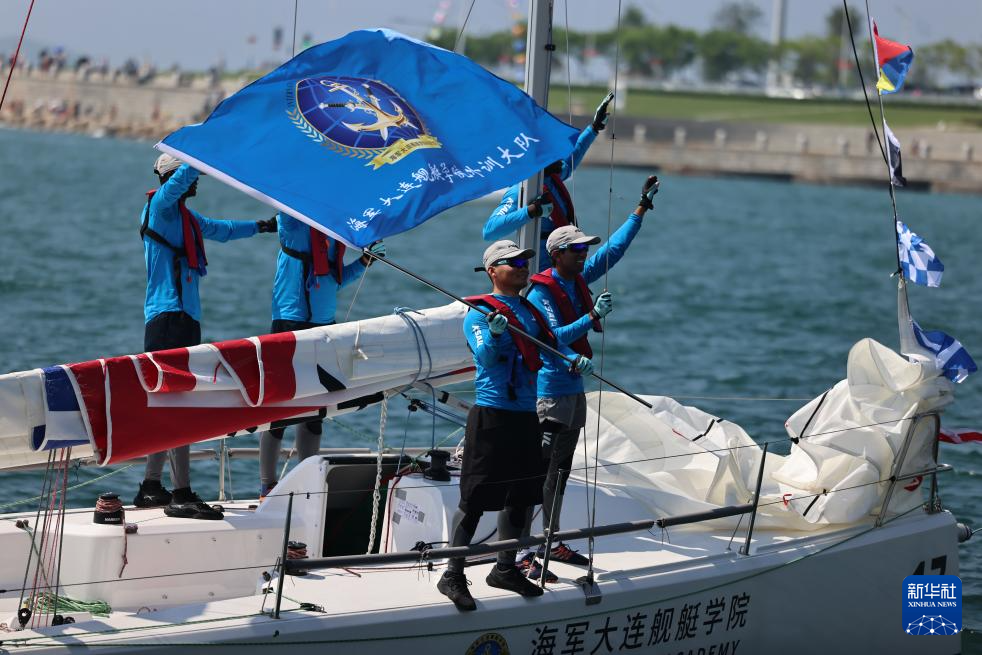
<point>171,330</point>
<point>503,463</point>
<point>285,325</point>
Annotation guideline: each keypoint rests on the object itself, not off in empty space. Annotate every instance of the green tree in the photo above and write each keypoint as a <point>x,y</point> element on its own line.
<point>740,17</point>
<point>724,52</point>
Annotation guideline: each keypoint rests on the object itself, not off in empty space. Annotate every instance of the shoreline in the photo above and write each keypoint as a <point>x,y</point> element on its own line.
<point>935,158</point>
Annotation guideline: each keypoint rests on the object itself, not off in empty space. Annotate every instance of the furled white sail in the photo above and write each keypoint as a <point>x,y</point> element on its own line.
<point>679,460</point>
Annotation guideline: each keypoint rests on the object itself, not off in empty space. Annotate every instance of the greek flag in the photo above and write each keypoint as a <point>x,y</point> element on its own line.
<point>372,134</point>
<point>950,356</point>
<point>917,260</point>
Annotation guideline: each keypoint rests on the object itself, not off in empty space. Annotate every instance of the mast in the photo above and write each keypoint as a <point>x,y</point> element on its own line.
<point>538,62</point>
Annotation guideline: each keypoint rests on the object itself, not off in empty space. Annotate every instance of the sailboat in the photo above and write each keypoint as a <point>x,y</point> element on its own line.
<point>706,543</point>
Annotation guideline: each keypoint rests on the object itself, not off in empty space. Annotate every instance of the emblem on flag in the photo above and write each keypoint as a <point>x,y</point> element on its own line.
<point>358,117</point>
<point>917,261</point>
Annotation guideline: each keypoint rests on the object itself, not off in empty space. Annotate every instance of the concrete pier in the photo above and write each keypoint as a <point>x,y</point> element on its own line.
<point>933,159</point>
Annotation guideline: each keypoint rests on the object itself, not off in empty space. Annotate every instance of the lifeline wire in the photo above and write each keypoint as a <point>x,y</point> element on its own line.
<point>13,63</point>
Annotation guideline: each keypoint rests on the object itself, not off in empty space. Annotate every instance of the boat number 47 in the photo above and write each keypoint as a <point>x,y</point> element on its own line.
<point>938,564</point>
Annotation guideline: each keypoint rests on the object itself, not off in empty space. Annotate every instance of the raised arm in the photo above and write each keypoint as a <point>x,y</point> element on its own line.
<point>619,241</point>
<point>176,185</point>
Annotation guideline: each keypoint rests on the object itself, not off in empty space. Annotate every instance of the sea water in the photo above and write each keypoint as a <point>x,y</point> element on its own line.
<point>739,296</point>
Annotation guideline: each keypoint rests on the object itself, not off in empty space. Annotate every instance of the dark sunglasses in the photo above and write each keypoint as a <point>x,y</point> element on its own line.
<point>577,247</point>
<point>514,262</point>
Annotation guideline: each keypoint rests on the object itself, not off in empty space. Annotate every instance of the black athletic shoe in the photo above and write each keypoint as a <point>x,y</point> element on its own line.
<point>513,580</point>
<point>454,587</point>
<point>187,505</point>
<point>565,554</point>
<point>529,567</point>
<point>152,494</point>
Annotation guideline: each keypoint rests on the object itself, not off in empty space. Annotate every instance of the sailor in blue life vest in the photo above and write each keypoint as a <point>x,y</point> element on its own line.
<point>174,250</point>
<point>562,296</point>
<point>502,467</point>
<point>554,205</point>
<point>310,270</point>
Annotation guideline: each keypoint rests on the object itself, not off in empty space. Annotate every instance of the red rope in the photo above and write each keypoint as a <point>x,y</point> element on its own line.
<point>13,64</point>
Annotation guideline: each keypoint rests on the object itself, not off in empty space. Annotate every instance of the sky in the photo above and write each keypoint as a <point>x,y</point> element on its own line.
<point>196,34</point>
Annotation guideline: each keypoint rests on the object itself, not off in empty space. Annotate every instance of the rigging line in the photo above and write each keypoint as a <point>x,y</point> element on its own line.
<point>862,82</point>
<point>463,26</point>
<point>293,41</point>
<point>538,342</point>
<point>569,75</point>
<point>67,458</point>
<point>603,334</point>
<point>37,516</point>
<point>886,146</point>
<point>13,63</point>
<point>357,291</point>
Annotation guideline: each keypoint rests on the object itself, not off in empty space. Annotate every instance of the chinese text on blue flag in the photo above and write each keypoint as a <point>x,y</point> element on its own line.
<point>372,134</point>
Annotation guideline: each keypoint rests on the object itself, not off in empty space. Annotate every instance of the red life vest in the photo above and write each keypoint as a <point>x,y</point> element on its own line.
<point>558,216</point>
<point>565,306</point>
<point>528,349</point>
<point>320,245</point>
<point>194,243</point>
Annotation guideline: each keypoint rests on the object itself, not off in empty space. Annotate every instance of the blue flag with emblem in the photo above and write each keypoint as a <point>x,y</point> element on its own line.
<point>372,134</point>
<point>917,261</point>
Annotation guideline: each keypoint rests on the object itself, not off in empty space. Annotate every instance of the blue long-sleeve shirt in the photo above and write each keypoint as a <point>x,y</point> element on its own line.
<point>498,361</point>
<point>508,217</point>
<point>166,293</point>
<point>290,291</point>
<point>554,376</point>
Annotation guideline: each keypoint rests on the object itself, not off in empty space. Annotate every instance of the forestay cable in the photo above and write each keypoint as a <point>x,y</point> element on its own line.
<point>603,334</point>
<point>13,63</point>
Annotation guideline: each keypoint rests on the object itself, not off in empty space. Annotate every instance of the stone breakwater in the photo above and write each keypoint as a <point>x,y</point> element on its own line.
<point>104,104</point>
<point>934,158</point>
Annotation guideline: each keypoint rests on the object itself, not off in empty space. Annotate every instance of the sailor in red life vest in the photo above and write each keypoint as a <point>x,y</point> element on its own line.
<point>310,270</point>
<point>561,294</point>
<point>502,468</point>
<point>174,249</point>
<point>554,205</point>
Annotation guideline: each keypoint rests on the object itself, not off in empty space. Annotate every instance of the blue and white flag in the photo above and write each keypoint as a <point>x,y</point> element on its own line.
<point>372,134</point>
<point>917,260</point>
<point>950,356</point>
<point>64,424</point>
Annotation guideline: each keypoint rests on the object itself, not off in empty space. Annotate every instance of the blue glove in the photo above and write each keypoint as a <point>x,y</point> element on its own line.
<point>604,304</point>
<point>497,324</point>
<point>600,118</point>
<point>583,366</point>
<point>377,249</point>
